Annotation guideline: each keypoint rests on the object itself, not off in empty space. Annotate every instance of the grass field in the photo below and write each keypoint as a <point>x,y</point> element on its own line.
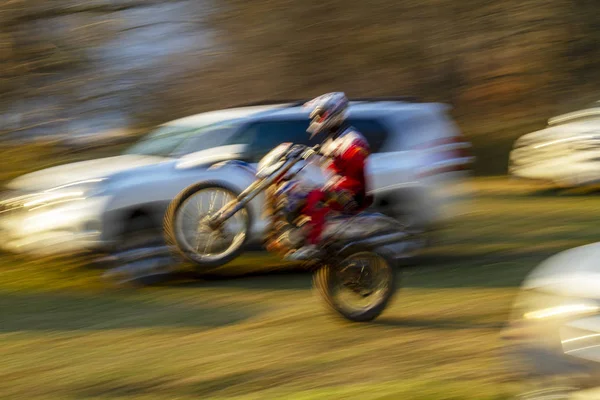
<point>64,334</point>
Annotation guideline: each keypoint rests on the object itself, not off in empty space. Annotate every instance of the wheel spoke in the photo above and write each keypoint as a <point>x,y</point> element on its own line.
<point>188,214</point>
<point>364,286</point>
<point>198,241</point>
<point>201,240</point>
<point>209,243</point>
<point>224,200</point>
<point>200,205</point>
<point>212,202</point>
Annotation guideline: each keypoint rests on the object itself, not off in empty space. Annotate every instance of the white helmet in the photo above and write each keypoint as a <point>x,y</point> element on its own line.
<point>327,111</point>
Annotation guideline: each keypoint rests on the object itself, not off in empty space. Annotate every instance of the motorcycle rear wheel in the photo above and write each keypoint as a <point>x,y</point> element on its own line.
<point>174,221</point>
<point>327,279</point>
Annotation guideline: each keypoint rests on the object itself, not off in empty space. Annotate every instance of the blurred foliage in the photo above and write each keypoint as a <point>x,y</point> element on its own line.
<point>498,57</point>
<point>504,66</point>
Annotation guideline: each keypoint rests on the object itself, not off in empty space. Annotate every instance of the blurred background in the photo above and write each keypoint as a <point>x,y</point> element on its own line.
<point>71,70</point>
<point>85,79</point>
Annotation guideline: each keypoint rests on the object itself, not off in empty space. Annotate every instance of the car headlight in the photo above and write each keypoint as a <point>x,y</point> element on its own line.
<point>562,311</point>
<point>66,193</point>
<point>541,306</point>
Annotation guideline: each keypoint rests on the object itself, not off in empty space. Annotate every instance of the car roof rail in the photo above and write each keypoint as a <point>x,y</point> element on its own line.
<point>404,99</point>
<point>289,103</point>
<point>297,102</point>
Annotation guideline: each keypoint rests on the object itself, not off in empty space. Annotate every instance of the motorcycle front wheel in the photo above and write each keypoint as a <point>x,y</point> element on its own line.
<point>360,287</point>
<point>188,234</point>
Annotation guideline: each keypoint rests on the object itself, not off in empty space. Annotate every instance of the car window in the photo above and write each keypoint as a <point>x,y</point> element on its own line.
<point>374,131</point>
<point>265,135</point>
<point>176,141</point>
<point>162,141</point>
<point>208,138</point>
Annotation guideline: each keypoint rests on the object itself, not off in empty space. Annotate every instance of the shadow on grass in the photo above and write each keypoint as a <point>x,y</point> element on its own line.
<point>60,312</point>
<point>285,278</point>
<point>418,276</point>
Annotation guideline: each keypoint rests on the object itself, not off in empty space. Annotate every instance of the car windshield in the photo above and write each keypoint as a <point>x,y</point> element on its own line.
<point>174,140</point>
<point>207,138</point>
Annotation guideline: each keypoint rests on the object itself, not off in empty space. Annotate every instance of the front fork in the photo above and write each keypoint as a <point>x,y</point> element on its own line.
<point>272,235</point>
<point>230,209</point>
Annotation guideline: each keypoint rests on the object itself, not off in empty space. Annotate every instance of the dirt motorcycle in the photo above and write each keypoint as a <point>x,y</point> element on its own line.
<point>209,224</point>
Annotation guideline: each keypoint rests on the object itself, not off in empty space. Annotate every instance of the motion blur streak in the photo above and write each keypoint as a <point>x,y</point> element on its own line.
<point>483,119</point>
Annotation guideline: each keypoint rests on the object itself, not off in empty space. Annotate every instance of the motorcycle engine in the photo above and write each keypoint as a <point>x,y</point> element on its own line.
<point>283,210</point>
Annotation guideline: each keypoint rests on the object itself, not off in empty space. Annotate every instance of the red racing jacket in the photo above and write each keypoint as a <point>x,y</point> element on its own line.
<point>347,155</point>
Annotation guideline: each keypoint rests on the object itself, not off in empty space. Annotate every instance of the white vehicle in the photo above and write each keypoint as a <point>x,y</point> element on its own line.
<point>417,172</point>
<point>566,153</point>
<point>553,338</point>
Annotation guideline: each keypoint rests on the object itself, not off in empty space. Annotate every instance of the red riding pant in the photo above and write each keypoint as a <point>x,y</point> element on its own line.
<point>320,202</point>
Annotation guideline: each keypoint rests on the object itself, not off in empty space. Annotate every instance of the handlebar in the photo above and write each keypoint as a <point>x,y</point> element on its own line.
<point>300,152</point>
<point>311,151</point>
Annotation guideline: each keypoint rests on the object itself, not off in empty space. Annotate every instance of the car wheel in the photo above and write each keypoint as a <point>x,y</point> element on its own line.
<point>140,232</point>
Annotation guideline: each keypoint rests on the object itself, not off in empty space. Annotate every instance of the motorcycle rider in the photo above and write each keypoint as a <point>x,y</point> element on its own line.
<point>344,152</point>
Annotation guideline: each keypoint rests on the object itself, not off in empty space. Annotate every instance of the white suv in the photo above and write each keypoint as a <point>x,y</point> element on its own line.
<point>417,171</point>
<point>566,152</point>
